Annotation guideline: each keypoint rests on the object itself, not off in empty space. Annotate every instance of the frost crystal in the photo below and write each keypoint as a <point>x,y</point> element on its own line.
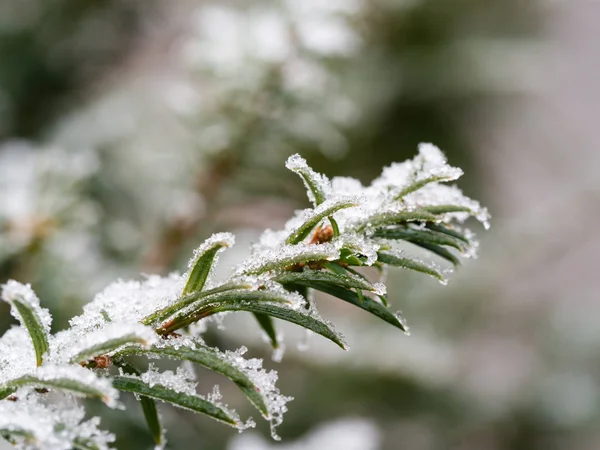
<point>429,165</point>
<point>129,301</point>
<point>179,381</point>
<point>224,240</point>
<point>287,255</point>
<point>14,291</point>
<point>314,182</point>
<point>367,248</point>
<point>16,354</point>
<point>77,378</point>
<point>265,383</point>
<point>183,381</point>
<point>38,425</point>
<point>74,342</point>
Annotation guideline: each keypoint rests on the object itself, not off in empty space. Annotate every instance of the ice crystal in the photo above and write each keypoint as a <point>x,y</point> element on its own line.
<point>380,288</point>
<point>402,320</point>
<point>179,381</point>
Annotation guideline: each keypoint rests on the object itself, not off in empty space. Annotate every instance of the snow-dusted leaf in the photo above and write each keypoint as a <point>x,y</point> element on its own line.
<point>129,301</point>
<point>204,259</point>
<point>186,300</point>
<point>450,232</point>
<point>288,255</point>
<point>448,203</point>
<point>415,186</point>
<point>25,306</point>
<point>73,379</point>
<point>32,423</point>
<point>207,306</point>
<point>395,216</point>
<point>416,235</point>
<point>317,185</point>
<point>352,246</point>
<point>107,339</point>
<point>408,202</point>
<point>261,302</point>
<point>148,404</point>
<point>444,209</point>
<point>352,297</point>
<point>314,217</point>
<point>428,167</point>
<point>344,279</point>
<point>438,250</point>
<point>399,260</point>
<point>184,400</point>
<point>210,358</point>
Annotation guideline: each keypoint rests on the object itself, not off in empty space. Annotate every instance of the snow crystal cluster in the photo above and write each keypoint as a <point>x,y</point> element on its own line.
<point>390,194</point>
<point>406,188</point>
<point>37,424</point>
<point>129,301</point>
<point>265,382</point>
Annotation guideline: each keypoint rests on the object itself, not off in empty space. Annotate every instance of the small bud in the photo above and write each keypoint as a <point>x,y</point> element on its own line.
<point>103,361</point>
<point>325,234</point>
<point>322,235</point>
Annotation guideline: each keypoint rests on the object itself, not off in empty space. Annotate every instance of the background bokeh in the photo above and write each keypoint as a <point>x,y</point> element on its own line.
<point>130,130</point>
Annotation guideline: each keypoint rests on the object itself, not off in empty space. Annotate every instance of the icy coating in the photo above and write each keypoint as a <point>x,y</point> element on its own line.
<point>79,375</point>
<point>265,382</point>
<point>17,357</point>
<point>14,290</point>
<point>264,260</point>
<point>182,381</point>
<point>350,225</point>
<point>51,426</point>
<point>312,180</point>
<point>388,195</point>
<point>74,342</point>
<point>129,301</point>
<point>224,240</point>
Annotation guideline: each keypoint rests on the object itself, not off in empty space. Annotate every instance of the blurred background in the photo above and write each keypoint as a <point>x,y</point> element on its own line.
<point>131,130</point>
